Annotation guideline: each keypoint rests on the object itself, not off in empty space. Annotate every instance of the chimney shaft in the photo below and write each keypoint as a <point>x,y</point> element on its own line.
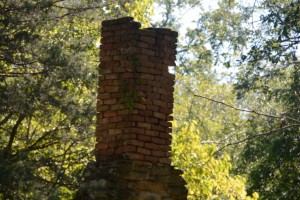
<point>135,92</point>
<point>135,101</point>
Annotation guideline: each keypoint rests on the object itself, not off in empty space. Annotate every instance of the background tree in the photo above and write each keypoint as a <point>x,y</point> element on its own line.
<point>258,41</point>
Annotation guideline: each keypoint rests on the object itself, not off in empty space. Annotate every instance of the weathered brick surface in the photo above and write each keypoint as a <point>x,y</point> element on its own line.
<point>135,85</point>
<point>135,101</point>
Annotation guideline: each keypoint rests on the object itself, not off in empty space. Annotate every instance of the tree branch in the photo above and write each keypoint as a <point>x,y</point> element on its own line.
<point>242,110</point>
<point>250,138</point>
<point>18,74</point>
<point>13,134</point>
<point>6,119</point>
<point>34,145</point>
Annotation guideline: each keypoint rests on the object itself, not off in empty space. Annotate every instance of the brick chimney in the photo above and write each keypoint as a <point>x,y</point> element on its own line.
<point>135,101</point>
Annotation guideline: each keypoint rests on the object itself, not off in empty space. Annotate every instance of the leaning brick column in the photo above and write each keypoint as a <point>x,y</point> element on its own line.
<point>135,101</point>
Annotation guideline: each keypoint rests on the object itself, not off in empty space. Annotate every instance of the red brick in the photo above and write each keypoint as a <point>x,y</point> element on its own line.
<point>142,44</point>
<point>106,58</point>
<point>168,75</point>
<point>115,132</point>
<point>137,118</point>
<point>154,83</point>
<point>165,148</point>
<point>104,96</point>
<point>153,95</point>
<point>142,57</point>
<point>101,78</point>
<point>113,144</point>
<point>123,149</point>
<point>133,142</point>
<point>119,45</point>
<point>147,76</point>
<point>165,123</point>
<point>160,90</point>
<point>146,113</point>
<point>168,154</point>
<point>139,106</point>
<point>99,102</point>
<point>104,152</point>
<point>159,141</point>
<point>153,107</point>
<point>168,130</point>
<point>164,110</point>
<point>151,133</point>
<point>101,145</point>
<point>129,136</point>
<point>152,146</point>
<point>117,95</point>
<point>117,107</point>
<point>119,57</point>
<point>111,64</point>
<point>172,57</point>
<point>127,75</point>
<point>169,62</point>
<point>151,120</point>
<point>159,115</point>
<point>144,138</point>
<point>143,151</point>
<point>159,78</point>
<point>129,50</point>
<point>145,89</point>
<point>170,38</point>
<point>124,112</point>
<point>107,33</point>
<point>160,54</point>
<point>145,64</point>
<point>110,114</point>
<point>102,53</point>
<point>126,63</point>
<point>148,40</point>
<point>126,124</point>
<point>159,103</point>
<point>155,59</point>
<point>111,52</point>
<point>134,130</point>
<point>151,158</point>
<point>106,46</point>
<point>112,138</point>
<point>129,37</point>
<point>103,83</point>
<point>112,119</point>
<point>165,135</point>
<point>105,40</point>
<point>144,125</point>
<point>149,32</point>
<point>165,160</point>
<point>158,128</point>
<point>166,98</point>
<point>148,52</point>
<point>110,101</point>
<point>135,156</point>
<point>119,69</point>
<point>169,118</point>
<point>158,153</point>
<point>100,90</point>
<point>170,106</point>
<point>111,76</point>
<point>125,32</point>
<point>106,126</point>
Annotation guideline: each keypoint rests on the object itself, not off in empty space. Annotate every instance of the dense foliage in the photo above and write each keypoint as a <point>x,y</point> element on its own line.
<point>258,42</point>
<point>48,62</point>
